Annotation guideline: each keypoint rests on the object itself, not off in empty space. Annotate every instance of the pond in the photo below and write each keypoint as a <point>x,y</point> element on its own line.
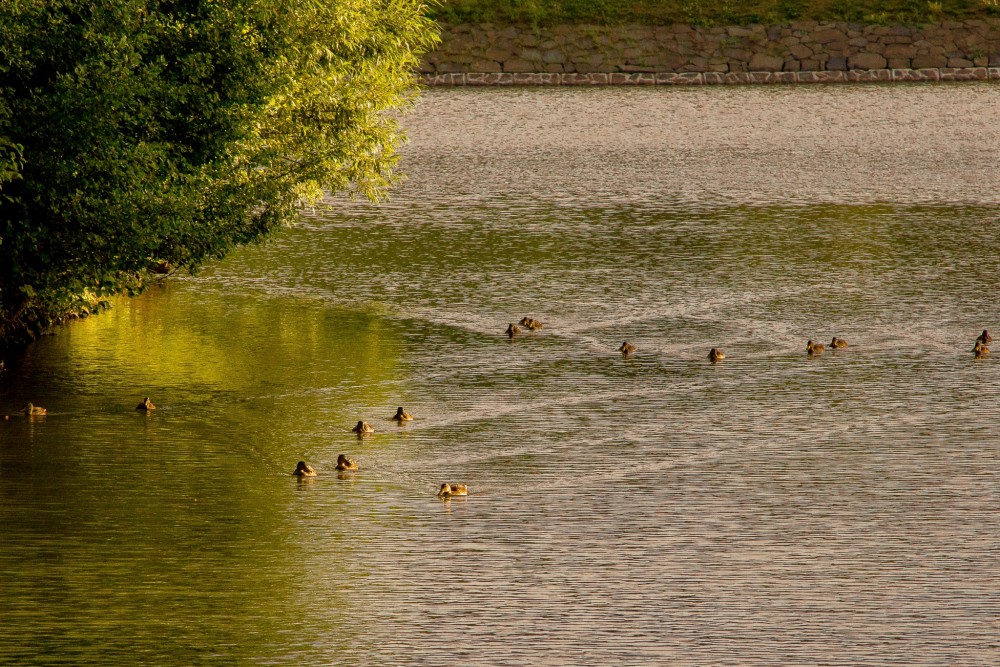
<point>770,509</point>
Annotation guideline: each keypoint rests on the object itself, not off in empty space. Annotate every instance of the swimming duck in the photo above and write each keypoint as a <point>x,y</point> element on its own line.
<point>448,490</point>
<point>302,469</point>
<point>531,323</point>
<point>512,330</point>
<point>363,427</point>
<point>715,354</point>
<point>627,348</point>
<point>980,350</point>
<point>984,337</point>
<point>402,415</point>
<point>34,410</point>
<point>346,463</point>
<point>813,349</point>
<point>838,343</point>
<point>146,405</point>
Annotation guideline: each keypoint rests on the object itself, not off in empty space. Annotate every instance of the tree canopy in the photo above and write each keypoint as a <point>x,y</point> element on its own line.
<point>136,133</point>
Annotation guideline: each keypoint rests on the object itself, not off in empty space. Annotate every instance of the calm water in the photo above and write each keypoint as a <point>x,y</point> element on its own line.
<point>768,510</point>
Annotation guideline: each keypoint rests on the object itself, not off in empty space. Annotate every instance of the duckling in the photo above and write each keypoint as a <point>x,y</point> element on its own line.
<point>716,354</point>
<point>984,337</point>
<point>363,427</point>
<point>512,330</point>
<point>627,348</point>
<point>146,405</point>
<point>402,415</point>
<point>838,343</point>
<point>980,350</point>
<point>447,490</point>
<point>813,349</point>
<point>530,323</point>
<point>302,469</point>
<point>346,463</point>
<point>32,410</point>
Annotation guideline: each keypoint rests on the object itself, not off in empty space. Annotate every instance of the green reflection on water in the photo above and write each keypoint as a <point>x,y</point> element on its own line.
<point>173,537</point>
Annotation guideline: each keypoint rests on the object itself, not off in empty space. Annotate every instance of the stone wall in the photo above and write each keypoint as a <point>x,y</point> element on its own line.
<point>801,47</point>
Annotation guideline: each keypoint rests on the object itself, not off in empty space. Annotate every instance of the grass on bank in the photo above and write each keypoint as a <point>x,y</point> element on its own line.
<point>709,12</point>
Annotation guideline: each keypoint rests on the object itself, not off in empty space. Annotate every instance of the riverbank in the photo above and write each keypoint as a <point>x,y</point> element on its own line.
<point>797,52</point>
<point>711,78</point>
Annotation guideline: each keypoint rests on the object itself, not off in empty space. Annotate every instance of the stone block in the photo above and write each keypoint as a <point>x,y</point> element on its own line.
<point>836,63</point>
<point>821,77</point>
<point>485,66</point>
<point>742,55</point>
<point>801,51</point>
<point>900,51</point>
<point>925,61</point>
<point>762,62</point>
<point>869,75</point>
<point>518,65</point>
<point>554,56</point>
<point>970,74</point>
<point>829,35</point>
<point>678,79</point>
<point>866,60</point>
<point>449,67</point>
<point>531,55</point>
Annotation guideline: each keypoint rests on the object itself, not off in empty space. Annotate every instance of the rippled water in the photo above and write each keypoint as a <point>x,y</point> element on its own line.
<point>768,510</point>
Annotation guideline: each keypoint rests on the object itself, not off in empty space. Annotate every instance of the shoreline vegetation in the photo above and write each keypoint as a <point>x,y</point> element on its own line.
<point>544,13</point>
<point>140,136</point>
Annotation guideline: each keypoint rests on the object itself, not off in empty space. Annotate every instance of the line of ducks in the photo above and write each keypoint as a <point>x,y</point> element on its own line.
<point>32,410</point>
<point>363,427</point>
<point>716,354</point>
<point>347,464</point>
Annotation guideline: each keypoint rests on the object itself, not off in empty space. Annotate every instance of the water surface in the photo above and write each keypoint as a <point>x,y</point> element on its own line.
<point>768,510</point>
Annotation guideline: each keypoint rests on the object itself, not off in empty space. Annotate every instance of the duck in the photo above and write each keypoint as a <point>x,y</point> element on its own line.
<point>512,330</point>
<point>531,323</point>
<point>447,490</point>
<point>813,349</point>
<point>402,415</point>
<point>627,348</point>
<point>302,469</point>
<point>32,410</point>
<point>716,354</point>
<point>363,427</point>
<point>980,350</point>
<point>146,405</point>
<point>346,463</point>
<point>838,343</point>
<point>984,337</point>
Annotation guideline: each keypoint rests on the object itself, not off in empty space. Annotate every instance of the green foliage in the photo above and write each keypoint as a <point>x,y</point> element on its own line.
<point>138,132</point>
<point>704,12</point>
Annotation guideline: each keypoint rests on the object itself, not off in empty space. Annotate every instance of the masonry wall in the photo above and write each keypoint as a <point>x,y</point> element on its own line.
<point>715,53</point>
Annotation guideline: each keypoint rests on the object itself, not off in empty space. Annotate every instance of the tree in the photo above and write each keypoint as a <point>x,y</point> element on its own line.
<point>143,132</point>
